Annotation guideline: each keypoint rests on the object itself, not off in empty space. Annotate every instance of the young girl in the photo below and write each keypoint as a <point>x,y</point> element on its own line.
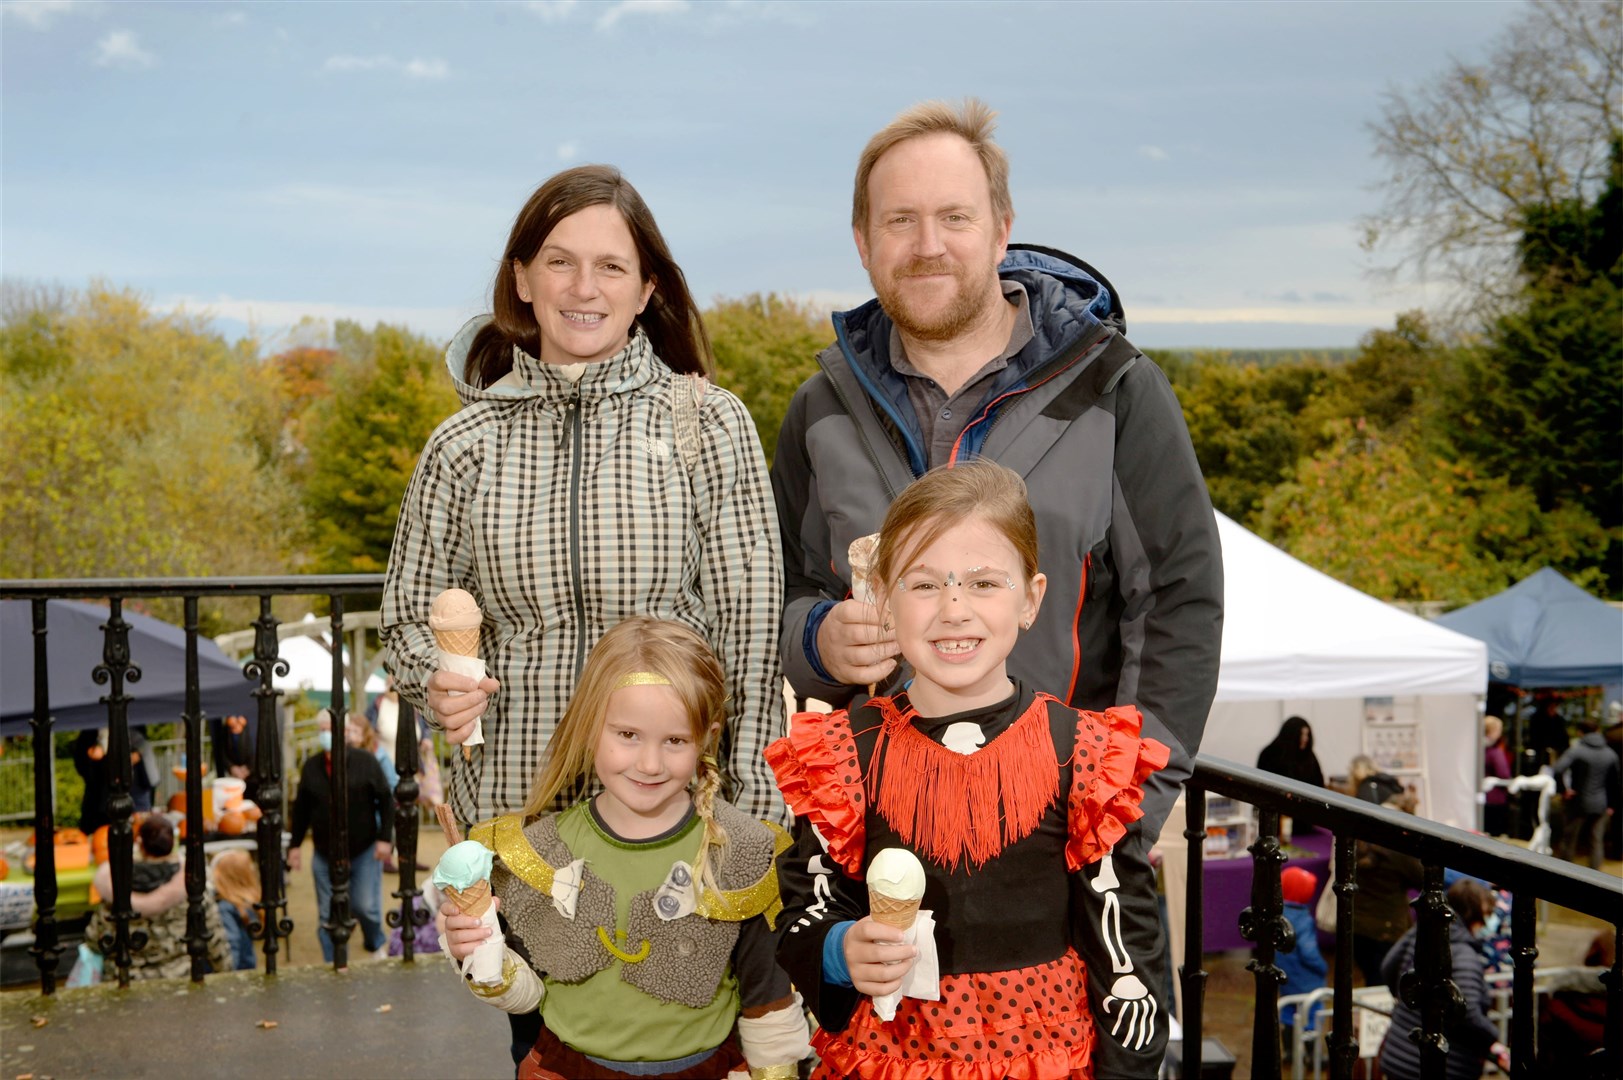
<point>640,919</point>
<point>1002,792</point>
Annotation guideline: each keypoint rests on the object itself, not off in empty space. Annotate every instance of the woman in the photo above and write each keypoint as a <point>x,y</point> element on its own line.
<point>1495,764</point>
<point>1291,755</point>
<point>584,483</point>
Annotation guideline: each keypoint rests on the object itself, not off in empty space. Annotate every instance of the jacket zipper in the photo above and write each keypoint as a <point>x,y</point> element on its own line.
<point>572,436</point>
<point>1040,376</point>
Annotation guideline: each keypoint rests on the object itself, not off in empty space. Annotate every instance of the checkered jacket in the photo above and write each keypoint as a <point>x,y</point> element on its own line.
<point>564,508</point>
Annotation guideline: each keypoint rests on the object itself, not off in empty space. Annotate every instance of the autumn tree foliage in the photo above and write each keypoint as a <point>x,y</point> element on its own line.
<point>765,347</point>
<point>133,443</point>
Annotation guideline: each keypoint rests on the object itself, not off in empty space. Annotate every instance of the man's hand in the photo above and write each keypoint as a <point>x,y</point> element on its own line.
<point>463,933</point>
<point>294,858</point>
<point>855,649</point>
<point>380,851</point>
<point>457,701</point>
<point>877,958</point>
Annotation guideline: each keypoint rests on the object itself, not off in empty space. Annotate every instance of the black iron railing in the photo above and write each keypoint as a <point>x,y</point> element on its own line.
<point>271,924</point>
<point>1430,990</point>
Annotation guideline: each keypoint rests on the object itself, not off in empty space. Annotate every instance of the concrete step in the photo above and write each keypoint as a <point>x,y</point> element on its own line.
<point>382,1018</point>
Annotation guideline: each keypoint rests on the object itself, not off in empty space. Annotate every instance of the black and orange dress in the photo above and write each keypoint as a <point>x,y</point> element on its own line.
<point>1030,792</point>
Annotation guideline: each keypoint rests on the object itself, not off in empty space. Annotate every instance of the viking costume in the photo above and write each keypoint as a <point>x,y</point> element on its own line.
<point>630,963</point>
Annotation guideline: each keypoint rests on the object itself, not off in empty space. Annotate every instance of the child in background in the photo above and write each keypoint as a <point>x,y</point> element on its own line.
<point>1004,793</point>
<point>1304,966</point>
<point>639,920</point>
<point>236,884</point>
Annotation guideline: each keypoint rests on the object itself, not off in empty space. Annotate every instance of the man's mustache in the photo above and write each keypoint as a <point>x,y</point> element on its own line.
<point>927,268</point>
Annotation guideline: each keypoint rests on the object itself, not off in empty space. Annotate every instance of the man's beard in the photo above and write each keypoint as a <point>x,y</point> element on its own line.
<point>963,310</point>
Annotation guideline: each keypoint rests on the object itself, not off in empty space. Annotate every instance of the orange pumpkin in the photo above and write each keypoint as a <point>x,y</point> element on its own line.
<point>177,802</point>
<point>98,844</point>
<point>5,868</point>
<point>232,823</point>
<point>252,812</point>
<point>70,836</point>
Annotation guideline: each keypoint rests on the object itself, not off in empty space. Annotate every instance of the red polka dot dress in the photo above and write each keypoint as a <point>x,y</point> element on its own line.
<point>1002,833</point>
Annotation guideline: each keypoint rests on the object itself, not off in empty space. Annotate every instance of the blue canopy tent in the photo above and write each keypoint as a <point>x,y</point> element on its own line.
<point>74,641</point>
<point>1544,631</point>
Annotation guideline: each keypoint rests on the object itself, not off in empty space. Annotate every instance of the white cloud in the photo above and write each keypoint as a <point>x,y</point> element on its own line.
<point>568,151</point>
<point>415,68</point>
<point>1154,153</point>
<point>552,10</point>
<point>616,12</point>
<point>270,319</point>
<point>122,49</point>
<point>38,13</point>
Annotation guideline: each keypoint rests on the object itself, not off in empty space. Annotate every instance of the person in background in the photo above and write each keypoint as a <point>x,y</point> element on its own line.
<point>371,828</point>
<point>158,898</point>
<point>236,887</point>
<point>1291,755</point>
<point>1304,966</point>
<point>234,741</point>
<point>1381,912</point>
<point>384,713</point>
<point>1495,764</point>
<point>90,761</point>
<point>1370,783</point>
<point>1472,1037</point>
<point>359,733</point>
<point>1588,774</point>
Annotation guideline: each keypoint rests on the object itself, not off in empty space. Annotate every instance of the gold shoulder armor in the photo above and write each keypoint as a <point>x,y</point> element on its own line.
<point>505,836</point>
<point>761,898</point>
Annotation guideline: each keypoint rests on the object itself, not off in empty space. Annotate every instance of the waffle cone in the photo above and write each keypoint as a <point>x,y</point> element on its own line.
<point>891,911</point>
<point>474,900</point>
<point>460,642</point>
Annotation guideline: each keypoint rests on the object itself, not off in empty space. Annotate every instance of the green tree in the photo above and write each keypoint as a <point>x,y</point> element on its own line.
<point>1247,427</point>
<point>1388,517</point>
<point>134,444</point>
<point>389,391</point>
<point>765,347</point>
<point>1468,152</point>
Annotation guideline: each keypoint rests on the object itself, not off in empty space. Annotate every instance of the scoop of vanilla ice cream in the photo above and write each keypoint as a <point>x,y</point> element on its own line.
<point>897,873</point>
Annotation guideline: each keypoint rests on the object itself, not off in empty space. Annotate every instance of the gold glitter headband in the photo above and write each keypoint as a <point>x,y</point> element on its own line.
<point>642,678</point>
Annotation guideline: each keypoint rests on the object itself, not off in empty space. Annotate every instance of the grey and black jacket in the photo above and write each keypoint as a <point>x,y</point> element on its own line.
<point>1133,613</point>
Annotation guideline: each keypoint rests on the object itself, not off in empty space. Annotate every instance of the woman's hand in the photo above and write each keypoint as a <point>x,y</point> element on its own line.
<point>463,933</point>
<point>457,701</point>
<point>877,958</point>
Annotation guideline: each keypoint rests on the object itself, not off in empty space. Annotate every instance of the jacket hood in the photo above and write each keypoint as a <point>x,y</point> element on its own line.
<point>530,378</point>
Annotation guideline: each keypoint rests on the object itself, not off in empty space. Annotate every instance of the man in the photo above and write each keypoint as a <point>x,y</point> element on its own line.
<point>976,349</point>
<point>1588,775</point>
<point>370,822</point>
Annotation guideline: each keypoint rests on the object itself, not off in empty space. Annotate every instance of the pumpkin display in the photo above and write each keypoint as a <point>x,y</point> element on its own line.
<point>98,844</point>
<point>177,802</point>
<point>232,823</point>
<point>5,868</point>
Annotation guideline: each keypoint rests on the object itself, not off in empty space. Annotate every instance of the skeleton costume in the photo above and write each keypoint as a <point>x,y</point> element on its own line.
<point>1004,806</point>
<point>635,970</point>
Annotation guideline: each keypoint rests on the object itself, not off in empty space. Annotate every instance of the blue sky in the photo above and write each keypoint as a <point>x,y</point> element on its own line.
<point>269,161</point>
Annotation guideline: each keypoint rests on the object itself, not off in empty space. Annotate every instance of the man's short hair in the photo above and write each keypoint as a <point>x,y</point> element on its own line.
<point>974,122</point>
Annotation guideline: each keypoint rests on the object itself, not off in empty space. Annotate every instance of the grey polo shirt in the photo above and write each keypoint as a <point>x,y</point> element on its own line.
<point>942,419</point>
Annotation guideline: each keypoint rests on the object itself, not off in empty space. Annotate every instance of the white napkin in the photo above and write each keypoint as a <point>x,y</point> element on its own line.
<point>923,979</point>
<point>474,667</point>
<point>484,964</point>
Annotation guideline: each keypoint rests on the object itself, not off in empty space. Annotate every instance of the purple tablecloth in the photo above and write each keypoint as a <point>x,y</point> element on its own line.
<point>1228,887</point>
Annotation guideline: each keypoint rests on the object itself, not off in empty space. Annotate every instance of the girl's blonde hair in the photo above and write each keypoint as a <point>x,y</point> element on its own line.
<point>660,647</point>
<point>236,879</point>
<point>949,495</point>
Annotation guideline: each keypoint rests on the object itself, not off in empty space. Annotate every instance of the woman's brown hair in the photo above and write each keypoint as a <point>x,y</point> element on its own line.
<point>671,319</point>
<point>236,879</point>
<point>653,646</point>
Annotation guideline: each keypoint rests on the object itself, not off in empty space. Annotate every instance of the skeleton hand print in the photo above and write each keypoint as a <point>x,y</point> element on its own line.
<point>1129,1001</point>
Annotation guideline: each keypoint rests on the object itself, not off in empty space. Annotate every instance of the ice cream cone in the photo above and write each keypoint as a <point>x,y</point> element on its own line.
<point>474,900</point>
<point>459,642</point>
<point>861,553</point>
<point>891,911</point>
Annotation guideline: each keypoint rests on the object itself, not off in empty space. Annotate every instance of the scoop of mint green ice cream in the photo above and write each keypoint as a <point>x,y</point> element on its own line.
<point>464,864</point>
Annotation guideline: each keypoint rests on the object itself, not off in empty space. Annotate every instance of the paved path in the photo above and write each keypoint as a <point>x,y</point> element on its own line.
<point>382,1019</point>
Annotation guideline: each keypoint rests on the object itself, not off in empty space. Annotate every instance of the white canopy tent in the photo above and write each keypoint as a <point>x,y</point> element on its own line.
<point>1298,642</point>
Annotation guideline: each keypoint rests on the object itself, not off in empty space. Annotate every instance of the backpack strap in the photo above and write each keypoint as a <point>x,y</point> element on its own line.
<point>687,393</point>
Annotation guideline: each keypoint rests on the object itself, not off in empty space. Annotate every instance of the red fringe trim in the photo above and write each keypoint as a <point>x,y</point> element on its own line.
<point>817,771</point>
<point>1103,803</point>
<point>946,806</point>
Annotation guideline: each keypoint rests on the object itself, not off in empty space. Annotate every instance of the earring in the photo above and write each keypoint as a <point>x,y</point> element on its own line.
<point>1026,625</point>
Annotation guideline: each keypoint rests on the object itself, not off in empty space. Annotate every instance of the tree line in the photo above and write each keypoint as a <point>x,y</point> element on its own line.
<point>1446,457</point>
